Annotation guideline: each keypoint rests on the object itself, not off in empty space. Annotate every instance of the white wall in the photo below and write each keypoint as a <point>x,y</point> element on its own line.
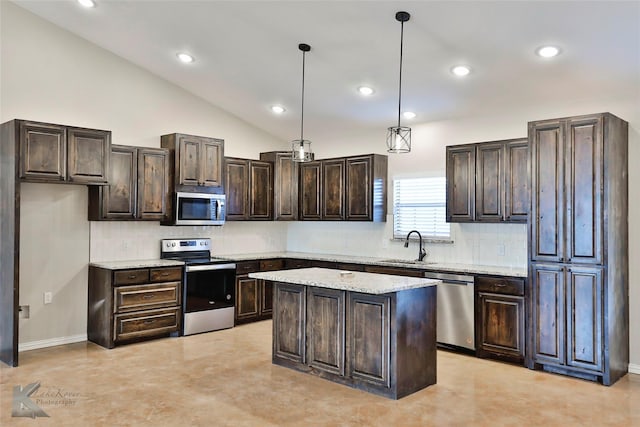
<point>50,75</point>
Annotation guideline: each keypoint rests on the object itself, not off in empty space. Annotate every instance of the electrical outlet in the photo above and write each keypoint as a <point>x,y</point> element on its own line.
<point>24,311</point>
<point>48,297</point>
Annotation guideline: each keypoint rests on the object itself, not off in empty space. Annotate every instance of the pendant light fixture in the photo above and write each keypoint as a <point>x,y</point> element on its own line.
<point>301,148</point>
<point>399,137</point>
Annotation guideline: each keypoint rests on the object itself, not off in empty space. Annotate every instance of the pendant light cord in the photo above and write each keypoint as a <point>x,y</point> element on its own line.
<point>400,79</point>
<point>302,109</point>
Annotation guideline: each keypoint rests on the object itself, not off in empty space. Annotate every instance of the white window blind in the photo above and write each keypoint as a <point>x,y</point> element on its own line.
<point>420,204</point>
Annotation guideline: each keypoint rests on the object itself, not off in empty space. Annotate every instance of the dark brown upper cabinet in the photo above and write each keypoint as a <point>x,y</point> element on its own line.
<point>285,185</point>
<point>197,162</point>
<point>488,182</point>
<point>345,188</point>
<point>138,186</point>
<point>249,189</point>
<point>58,153</point>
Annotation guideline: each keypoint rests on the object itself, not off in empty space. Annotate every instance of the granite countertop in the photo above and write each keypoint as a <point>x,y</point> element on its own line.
<point>137,263</point>
<point>492,270</point>
<point>369,283</point>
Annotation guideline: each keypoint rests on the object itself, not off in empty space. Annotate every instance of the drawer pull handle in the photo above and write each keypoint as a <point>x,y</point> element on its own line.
<point>149,321</point>
<point>132,276</point>
<point>148,296</point>
<point>164,274</point>
<point>500,285</point>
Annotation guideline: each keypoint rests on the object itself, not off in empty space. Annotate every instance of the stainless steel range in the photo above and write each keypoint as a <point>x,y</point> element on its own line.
<point>209,285</point>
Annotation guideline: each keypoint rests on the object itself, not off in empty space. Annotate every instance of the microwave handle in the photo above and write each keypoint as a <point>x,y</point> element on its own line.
<point>219,209</point>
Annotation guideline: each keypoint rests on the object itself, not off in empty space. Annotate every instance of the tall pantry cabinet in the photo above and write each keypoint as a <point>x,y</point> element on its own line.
<point>578,256</point>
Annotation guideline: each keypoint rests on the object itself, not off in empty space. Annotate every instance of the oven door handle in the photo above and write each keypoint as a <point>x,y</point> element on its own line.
<point>209,267</point>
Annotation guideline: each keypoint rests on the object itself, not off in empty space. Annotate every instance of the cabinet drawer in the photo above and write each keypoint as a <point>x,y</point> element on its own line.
<point>165,274</point>
<point>292,263</point>
<point>500,285</point>
<point>130,277</point>
<point>146,323</point>
<point>247,267</point>
<point>129,298</point>
<point>271,264</point>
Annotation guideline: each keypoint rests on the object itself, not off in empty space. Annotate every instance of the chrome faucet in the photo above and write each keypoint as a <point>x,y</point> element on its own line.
<point>421,252</point>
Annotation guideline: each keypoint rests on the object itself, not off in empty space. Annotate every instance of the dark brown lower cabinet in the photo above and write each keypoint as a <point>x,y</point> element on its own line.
<point>500,318</point>
<point>254,297</point>
<point>383,344</point>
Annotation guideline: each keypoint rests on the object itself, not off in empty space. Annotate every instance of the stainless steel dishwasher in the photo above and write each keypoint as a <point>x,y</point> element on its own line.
<point>455,310</point>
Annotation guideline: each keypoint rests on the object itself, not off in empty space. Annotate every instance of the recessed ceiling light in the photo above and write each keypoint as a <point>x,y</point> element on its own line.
<point>365,90</point>
<point>548,51</point>
<point>185,57</point>
<point>461,70</point>
<point>278,109</point>
<point>87,3</point>
<point>409,115</point>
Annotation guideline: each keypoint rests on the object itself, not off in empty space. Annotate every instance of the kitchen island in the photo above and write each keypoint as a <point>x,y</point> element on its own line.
<point>374,332</point>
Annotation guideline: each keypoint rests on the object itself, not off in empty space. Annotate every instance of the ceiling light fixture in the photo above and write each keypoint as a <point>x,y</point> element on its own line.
<point>87,3</point>
<point>548,51</point>
<point>461,70</point>
<point>399,137</point>
<point>301,148</point>
<point>185,57</point>
<point>409,115</point>
<point>278,109</point>
<point>365,90</point>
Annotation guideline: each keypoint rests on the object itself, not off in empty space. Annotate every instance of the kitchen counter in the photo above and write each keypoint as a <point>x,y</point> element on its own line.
<point>136,263</point>
<point>490,270</point>
<point>354,281</point>
<point>373,332</point>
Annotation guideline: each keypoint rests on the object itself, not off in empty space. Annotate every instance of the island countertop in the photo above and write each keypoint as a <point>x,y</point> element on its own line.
<point>354,281</point>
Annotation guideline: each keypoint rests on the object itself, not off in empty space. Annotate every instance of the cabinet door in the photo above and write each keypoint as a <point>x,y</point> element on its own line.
<point>119,198</point>
<point>285,188</point>
<point>333,189</point>
<point>546,233</point>
<point>368,334</point>
<point>585,185</point>
<point>325,329</point>
<point>585,318</point>
<point>261,190</point>
<point>516,181</point>
<point>88,154</point>
<point>489,182</point>
<point>461,175</point>
<point>153,183</point>
<point>211,163</point>
<point>548,293</point>
<point>310,190</point>
<point>237,188</point>
<point>246,298</point>
<point>190,154</point>
<point>501,325</point>
<point>266,298</point>
<point>43,152</point>
<point>359,189</point>
<point>289,322</point>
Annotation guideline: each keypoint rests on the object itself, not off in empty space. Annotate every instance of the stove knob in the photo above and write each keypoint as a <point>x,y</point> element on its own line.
<point>173,244</point>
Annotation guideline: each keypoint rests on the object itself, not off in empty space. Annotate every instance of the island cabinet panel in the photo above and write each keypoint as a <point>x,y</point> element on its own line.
<point>384,344</point>
<point>369,336</point>
<point>500,318</point>
<point>289,323</point>
<point>58,153</point>
<point>325,329</point>
<point>133,304</point>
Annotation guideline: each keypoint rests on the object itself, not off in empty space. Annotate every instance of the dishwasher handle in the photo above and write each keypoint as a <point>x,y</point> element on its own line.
<point>456,279</point>
<point>457,282</point>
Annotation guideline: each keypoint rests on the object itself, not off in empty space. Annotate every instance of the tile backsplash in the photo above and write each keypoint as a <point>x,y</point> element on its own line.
<point>484,244</point>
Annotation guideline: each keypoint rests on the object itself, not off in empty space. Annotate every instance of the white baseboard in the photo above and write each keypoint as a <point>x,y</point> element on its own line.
<point>51,342</point>
<point>634,369</point>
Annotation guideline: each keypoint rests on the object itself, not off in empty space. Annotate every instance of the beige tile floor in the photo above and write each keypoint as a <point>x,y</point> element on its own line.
<point>226,378</point>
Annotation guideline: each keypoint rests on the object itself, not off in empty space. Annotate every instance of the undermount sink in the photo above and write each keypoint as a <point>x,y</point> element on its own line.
<point>406,261</point>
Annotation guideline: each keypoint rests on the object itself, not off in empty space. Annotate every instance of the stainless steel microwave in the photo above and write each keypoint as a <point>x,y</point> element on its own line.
<point>199,209</point>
